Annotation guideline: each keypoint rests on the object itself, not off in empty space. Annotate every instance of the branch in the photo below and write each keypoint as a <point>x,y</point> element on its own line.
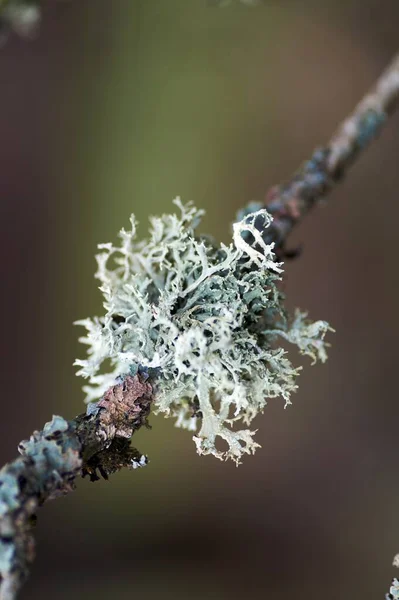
<point>290,202</point>
<point>51,460</point>
<point>98,440</point>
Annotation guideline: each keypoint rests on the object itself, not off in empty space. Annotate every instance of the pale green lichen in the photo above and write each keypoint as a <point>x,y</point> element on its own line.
<point>204,320</point>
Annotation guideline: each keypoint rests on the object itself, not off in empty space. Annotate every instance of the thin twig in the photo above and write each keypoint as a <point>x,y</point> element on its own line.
<point>290,202</point>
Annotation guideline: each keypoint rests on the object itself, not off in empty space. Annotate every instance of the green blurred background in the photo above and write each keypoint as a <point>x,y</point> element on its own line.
<point>117,107</point>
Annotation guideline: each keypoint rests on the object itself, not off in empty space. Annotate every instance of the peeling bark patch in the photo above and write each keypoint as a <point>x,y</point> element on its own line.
<point>126,405</point>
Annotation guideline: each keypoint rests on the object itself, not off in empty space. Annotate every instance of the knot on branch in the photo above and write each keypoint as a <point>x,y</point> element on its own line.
<point>110,423</point>
<point>126,407</point>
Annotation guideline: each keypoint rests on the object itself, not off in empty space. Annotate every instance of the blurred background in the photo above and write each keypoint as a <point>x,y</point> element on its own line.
<point>118,106</point>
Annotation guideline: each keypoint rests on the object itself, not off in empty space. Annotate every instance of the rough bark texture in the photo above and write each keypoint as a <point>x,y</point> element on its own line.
<point>290,202</point>
<point>97,441</point>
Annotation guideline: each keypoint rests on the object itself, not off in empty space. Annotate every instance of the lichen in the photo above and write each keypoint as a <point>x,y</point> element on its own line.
<point>46,469</point>
<point>203,320</point>
<point>393,591</point>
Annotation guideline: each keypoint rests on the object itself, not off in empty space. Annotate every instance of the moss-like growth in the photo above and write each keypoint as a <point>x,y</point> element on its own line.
<point>204,320</point>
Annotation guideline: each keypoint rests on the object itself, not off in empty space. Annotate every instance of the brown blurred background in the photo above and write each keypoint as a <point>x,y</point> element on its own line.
<point>117,107</point>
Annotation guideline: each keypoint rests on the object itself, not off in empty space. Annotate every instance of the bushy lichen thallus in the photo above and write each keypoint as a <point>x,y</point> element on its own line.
<point>204,321</point>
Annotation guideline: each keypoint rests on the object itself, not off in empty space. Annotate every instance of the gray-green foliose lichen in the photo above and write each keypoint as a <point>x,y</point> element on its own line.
<point>205,318</point>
